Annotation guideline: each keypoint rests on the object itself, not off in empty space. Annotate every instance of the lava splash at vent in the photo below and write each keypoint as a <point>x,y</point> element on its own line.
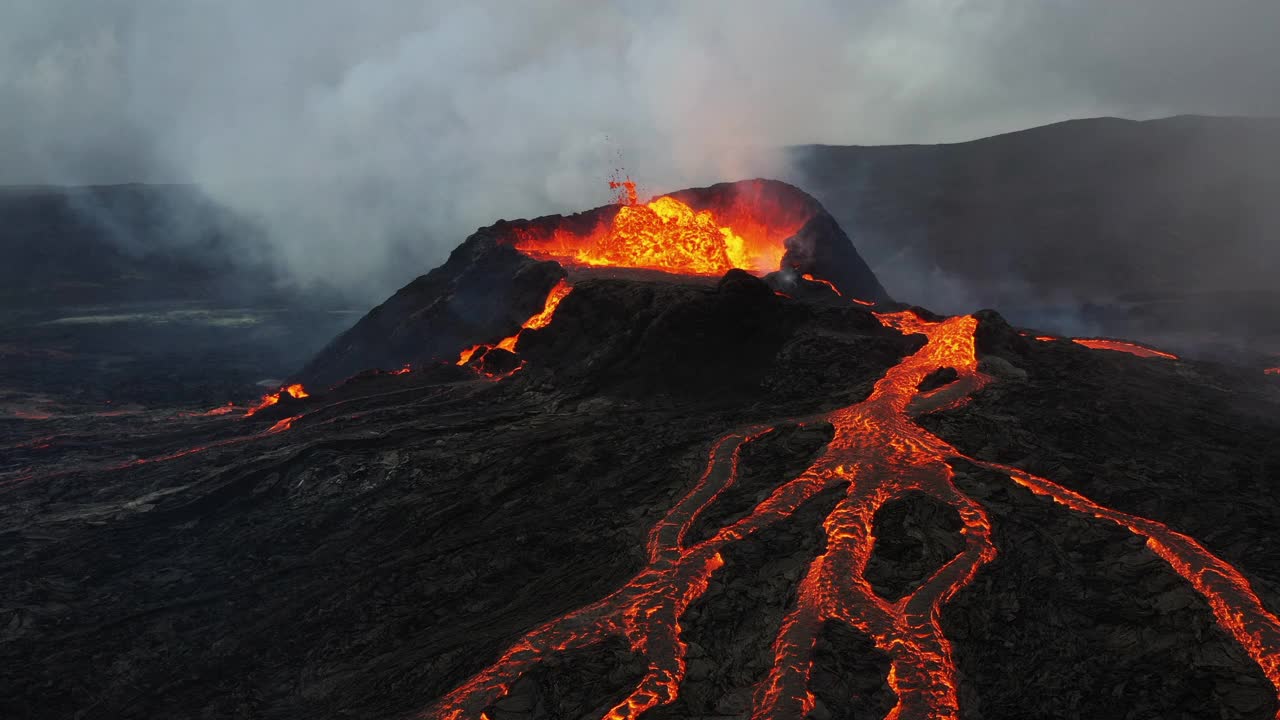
<point>667,234</point>
<point>878,454</point>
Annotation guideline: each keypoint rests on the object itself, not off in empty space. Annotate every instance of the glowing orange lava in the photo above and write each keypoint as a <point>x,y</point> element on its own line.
<point>627,194</point>
<point>878,453</point>
<point>536,322</point>
<point>283,425</point>
<point>1122,346</point>
<point>295,391</point>
<point>667,234</point>
<point>828,283</point>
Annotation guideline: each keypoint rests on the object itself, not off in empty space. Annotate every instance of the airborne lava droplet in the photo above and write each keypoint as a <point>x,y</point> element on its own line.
<point>878,454</point>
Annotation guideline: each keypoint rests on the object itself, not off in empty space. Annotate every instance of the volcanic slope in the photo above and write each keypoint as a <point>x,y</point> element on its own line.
<point>643,487</point>
<point>501,275</point>
<point>705,499</point>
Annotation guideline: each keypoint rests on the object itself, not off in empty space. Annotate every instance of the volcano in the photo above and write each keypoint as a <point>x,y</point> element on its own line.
<point>680,458</point>
<point>501,275</point>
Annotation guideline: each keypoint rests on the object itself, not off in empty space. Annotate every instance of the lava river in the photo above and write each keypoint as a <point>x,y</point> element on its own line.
<point>878,453</point>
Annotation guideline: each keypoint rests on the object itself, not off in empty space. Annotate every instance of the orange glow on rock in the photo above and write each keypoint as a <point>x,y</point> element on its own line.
<point>283,425</point>
<point>536,322</point>
<point>878,453</point>
<point>295,391</point>
<point>1122,346</point>
<point>830,285</point>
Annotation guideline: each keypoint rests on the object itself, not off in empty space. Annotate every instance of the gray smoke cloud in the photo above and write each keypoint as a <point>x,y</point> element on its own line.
<point>369,138</point>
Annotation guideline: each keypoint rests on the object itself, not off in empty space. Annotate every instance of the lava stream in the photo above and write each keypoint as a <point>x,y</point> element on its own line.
<point>667,234</point>
<point>1122,346</point>
<point>878,453</point>
<point>538,321</point>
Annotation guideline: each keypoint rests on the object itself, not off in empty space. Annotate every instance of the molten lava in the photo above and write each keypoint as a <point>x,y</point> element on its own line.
<point>830,285</point>
<point>283,425</point>
<point>666,234</point>
<point>1122,346</point>
<point>627,194</point>
<point>294,391</point>
<point>878,453</point>
<point>536,322</point>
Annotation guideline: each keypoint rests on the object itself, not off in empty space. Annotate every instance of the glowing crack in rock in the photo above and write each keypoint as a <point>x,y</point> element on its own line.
<point>537,321</point>
<point>1122,346</point>
<point>667,234</point>
<point>878,453</point>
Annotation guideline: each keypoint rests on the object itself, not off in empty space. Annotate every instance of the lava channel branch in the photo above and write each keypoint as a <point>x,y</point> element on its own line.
<point>878,453</point>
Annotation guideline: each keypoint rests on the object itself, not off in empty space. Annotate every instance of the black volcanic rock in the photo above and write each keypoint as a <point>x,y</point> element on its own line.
<point>409,526</point>
<point>406,529</point>
<point>481,294</point>
<point>938,378</point>
<point>727,343</point>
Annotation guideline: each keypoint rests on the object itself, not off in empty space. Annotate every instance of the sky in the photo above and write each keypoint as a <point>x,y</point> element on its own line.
<point>356,130</point>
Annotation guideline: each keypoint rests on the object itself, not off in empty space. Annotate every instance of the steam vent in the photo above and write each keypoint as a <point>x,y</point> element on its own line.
<point>502,275</point>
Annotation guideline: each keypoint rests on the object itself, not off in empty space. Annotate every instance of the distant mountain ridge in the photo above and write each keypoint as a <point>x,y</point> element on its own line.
<point>1080,213</point>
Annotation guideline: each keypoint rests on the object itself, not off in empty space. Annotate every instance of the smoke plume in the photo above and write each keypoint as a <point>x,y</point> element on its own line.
<point>367,139</point>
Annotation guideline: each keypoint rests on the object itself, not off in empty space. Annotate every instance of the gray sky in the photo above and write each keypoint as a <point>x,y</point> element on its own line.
<point>342,123</point>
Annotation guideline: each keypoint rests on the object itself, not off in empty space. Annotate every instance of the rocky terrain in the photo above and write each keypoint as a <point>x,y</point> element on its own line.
<point>372,548</point>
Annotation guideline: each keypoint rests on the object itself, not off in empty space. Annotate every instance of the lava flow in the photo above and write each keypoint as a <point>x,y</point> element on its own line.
<point>536,322</point>
<point>295,391</point>
<point>830,285</point>
<point>878,453</point>
<point>1122,346</point>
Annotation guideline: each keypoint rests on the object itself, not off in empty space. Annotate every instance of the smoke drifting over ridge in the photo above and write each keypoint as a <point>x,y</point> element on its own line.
<point>369,139</point>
